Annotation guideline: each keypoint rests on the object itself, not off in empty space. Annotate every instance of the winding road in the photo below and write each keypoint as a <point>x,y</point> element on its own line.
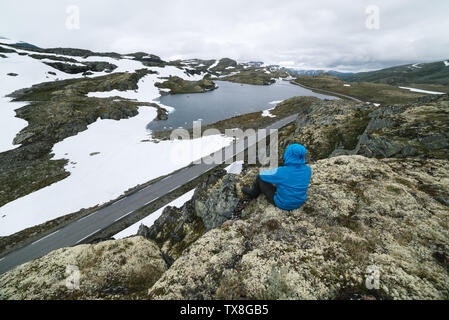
<point>85,228</point>
<point>326,91</point>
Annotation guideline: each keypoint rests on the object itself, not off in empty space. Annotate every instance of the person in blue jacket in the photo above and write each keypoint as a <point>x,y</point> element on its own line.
<point>285,186</point>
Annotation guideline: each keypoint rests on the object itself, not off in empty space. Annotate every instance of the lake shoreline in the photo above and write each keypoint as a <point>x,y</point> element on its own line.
<point>229,100</point>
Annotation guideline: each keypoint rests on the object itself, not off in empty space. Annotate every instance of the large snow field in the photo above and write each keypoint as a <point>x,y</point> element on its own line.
<point>105,160</point>
<point>29,72</point>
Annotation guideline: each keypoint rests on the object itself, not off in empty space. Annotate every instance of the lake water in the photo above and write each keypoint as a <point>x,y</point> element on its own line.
<point>229,100</point>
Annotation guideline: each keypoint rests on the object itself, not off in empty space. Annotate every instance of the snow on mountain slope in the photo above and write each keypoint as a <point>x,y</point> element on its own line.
<point>108,158</point>
<point>23,71</point>
<point>421,91</point>
<point>147,90</point>
<point>105,160</point>
<point>214,65</point>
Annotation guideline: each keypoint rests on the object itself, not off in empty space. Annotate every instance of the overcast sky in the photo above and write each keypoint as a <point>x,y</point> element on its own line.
<point>306,34</point>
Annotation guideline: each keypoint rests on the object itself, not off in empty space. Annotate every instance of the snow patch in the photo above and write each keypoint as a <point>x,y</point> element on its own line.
<point>147,91</point>
<point>64,62</point>
<point>29,72</point>
<point>421,91</point>
<point>267,113</point>
<point>235,167</point>
<point>126,158</point>
<point>214,65</point>
<point>229,74</point>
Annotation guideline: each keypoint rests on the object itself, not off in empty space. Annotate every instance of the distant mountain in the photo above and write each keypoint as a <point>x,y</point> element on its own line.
<point>26,45</point>
<point>429,73</point>
<point>17,43</point>
<point>300,72</point>
<point>256,63</point>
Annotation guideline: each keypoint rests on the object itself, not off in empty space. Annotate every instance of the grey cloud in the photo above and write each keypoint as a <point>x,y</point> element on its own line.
<point>311,34</point>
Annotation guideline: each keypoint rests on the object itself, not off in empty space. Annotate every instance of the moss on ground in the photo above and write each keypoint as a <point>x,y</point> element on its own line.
<point>365,91</point>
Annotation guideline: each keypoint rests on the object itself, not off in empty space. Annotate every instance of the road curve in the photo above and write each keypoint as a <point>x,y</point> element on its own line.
<point>86,227</point>
<point>327,91</point>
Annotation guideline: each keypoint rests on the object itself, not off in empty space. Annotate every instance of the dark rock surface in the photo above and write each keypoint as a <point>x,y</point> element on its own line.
<point>212,204</point>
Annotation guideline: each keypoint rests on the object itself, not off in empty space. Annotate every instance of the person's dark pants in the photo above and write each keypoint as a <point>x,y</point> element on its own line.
<point>260,186</point>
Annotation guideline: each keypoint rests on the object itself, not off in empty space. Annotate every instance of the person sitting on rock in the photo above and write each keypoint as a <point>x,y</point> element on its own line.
<point>285,186</point>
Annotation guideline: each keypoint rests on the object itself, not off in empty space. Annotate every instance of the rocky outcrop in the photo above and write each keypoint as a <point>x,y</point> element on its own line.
<point>256,77</point>
<point>418,130</point>
<point>149,60</point>
<point>213,203</point>
<point>64,51</point>
<point>361,215</point>
<point>162,114</point>
<point>387,215</point>
<point>217,204</point>
<point>327,128</point>
<point>7,50</point>
<point>83,67</point>
<point>53,57</point>
<point>111,269</point>
<point>332,128</point>
<point>178,85</point>
<point>363,218</point>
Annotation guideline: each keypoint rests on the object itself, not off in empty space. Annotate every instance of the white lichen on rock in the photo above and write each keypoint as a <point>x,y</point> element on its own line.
<point>128,265</point>
<point>361,212</point>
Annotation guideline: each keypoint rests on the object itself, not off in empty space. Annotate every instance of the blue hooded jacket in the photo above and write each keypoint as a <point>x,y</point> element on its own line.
<point>292,180</point>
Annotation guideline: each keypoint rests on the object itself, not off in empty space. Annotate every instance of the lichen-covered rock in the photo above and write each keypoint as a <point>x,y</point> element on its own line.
<point>174,230</point>
<point>110,269</point>
<point>361,215</point>
<point>333,128</point>
<point>178,85</point>
<point>217,204</point>
<point>328,128</point>
<point>82,67</point>
<point>212,204</point>
<point>419,130</point>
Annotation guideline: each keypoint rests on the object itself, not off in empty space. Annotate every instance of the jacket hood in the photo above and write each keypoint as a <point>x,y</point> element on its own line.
<point>295,155</point>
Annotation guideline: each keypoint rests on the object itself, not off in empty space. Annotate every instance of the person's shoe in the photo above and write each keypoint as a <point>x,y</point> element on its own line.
<point>249,192</point>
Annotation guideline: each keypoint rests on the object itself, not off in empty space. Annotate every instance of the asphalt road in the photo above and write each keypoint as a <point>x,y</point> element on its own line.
<point>327,91</point>
<point>84,228</point>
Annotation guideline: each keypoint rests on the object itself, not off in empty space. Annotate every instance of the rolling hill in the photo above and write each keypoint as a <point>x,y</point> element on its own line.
<point>436,73</point>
